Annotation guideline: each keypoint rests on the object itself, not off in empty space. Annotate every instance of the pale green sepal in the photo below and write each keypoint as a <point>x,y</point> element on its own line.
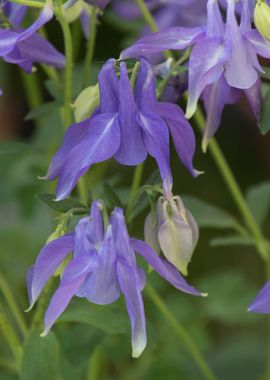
<point>86,103</point>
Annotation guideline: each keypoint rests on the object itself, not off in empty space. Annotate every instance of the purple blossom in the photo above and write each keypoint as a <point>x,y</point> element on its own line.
<point>126,127</point>
<point>223,63</point>
<point>14,12</point>
<point>103,266</point>
<point>23,47</point>
<point>261,304</point>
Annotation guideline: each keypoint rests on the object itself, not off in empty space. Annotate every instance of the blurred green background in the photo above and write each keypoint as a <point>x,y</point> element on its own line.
<point>233,341</point>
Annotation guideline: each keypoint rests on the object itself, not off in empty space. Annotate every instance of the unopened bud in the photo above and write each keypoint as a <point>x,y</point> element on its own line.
<point>175,232</point>
<point>86,103</point>
<point>262,18</point>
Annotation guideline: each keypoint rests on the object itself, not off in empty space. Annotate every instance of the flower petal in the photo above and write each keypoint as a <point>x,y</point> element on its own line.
<point>130,286</point>
<point>182,133</point>
<point>205,67</point>
<point>36,48</point>
<point>101,286</point>
<point>254,98</point>
<point>132,150</point>
<point>258,42</point>
<point>73,276</point>
<point>108,87</point>
<point>261,304</point>
<point>174,38</point>
<point>48,260</point>
<point>163,267</point>
<point>100,144</point>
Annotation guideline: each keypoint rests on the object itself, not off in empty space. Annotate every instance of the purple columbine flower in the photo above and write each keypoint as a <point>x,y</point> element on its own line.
<point>103,266</point>
<point>261,304</point>
<point>223,63</point>
<point>126,127</point>
<point>23,47</point>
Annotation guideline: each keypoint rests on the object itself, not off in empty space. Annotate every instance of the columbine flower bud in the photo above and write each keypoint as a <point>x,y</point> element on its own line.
<point>86,103</point>
<point>175,232</point>
<point>262,18</point>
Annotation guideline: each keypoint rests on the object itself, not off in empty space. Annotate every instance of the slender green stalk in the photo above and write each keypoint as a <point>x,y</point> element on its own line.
<point>29,3</point>
<point>134,187</point>
<point>181,332</point>
<point>95,364</point>
<point>90,47</point>
<point>4,288</point>
<point>234,189</point>
<point>69,61</point>
<point>32,89</point>
<point>10,336</point>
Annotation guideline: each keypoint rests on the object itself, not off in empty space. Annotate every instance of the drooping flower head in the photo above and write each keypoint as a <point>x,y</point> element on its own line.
<point>223,62</point>
<point>23,47</point>
<point>126,126</point>
<point>102,267</point>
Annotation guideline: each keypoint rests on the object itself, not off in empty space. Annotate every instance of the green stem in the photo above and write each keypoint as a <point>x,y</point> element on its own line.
<point>10,336</point>
<point>234,189</point>
<point>32,89</point>
<point>134,187</point>
<point>95,364</point>
<point>181,333</point>
<point>90,47</point>
<point>69,61</point>
<point>12,304</point>
<point>29,3</point>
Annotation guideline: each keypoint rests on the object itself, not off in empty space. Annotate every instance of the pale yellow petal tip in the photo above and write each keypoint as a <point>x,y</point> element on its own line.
<point>204,145</point>
<point>29,308</point>
<point>198,172</point>
<point>44,333</point>
<point>204,294</point>
<point>41,177</point>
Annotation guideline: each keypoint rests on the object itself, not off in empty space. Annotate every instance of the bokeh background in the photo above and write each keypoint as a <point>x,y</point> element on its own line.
<point>234,342</point>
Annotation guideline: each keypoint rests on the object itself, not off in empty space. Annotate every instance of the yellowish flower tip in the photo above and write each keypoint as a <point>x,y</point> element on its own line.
<point>262,18</point>
<point>204,294</point>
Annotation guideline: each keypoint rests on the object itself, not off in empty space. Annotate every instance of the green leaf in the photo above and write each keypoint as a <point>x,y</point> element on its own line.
<point>265,114</point>
<point>42,111</point>
<point>109,319</point>
<point>207,215</point>
<point>258,200</point>
<point>62,206</point>
<point>224,241</point>
<point>41,358</point>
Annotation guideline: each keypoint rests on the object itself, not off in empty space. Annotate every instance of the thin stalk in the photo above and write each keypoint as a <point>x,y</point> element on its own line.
<point>29,3</point>
<point>181,333</point>
<point>134,187</point>
<point>234,189</point>
<point>10,336</point>
<point>90,47</point>
<point>69,61</point>
<point>32,89</point>
<point>95,364</point>
<point>12,304</point>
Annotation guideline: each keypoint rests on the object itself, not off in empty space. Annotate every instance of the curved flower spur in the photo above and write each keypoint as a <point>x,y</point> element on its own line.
<point>127,127</point>
<point>103,265</point>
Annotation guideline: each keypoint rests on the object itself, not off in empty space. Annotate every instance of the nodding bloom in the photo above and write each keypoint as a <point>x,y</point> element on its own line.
<point>103,266</point>
<point>23,47</point>
<point>261,304</point>
<point>174,231</point>
<point>127,127</point>
<point>223,62</point>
